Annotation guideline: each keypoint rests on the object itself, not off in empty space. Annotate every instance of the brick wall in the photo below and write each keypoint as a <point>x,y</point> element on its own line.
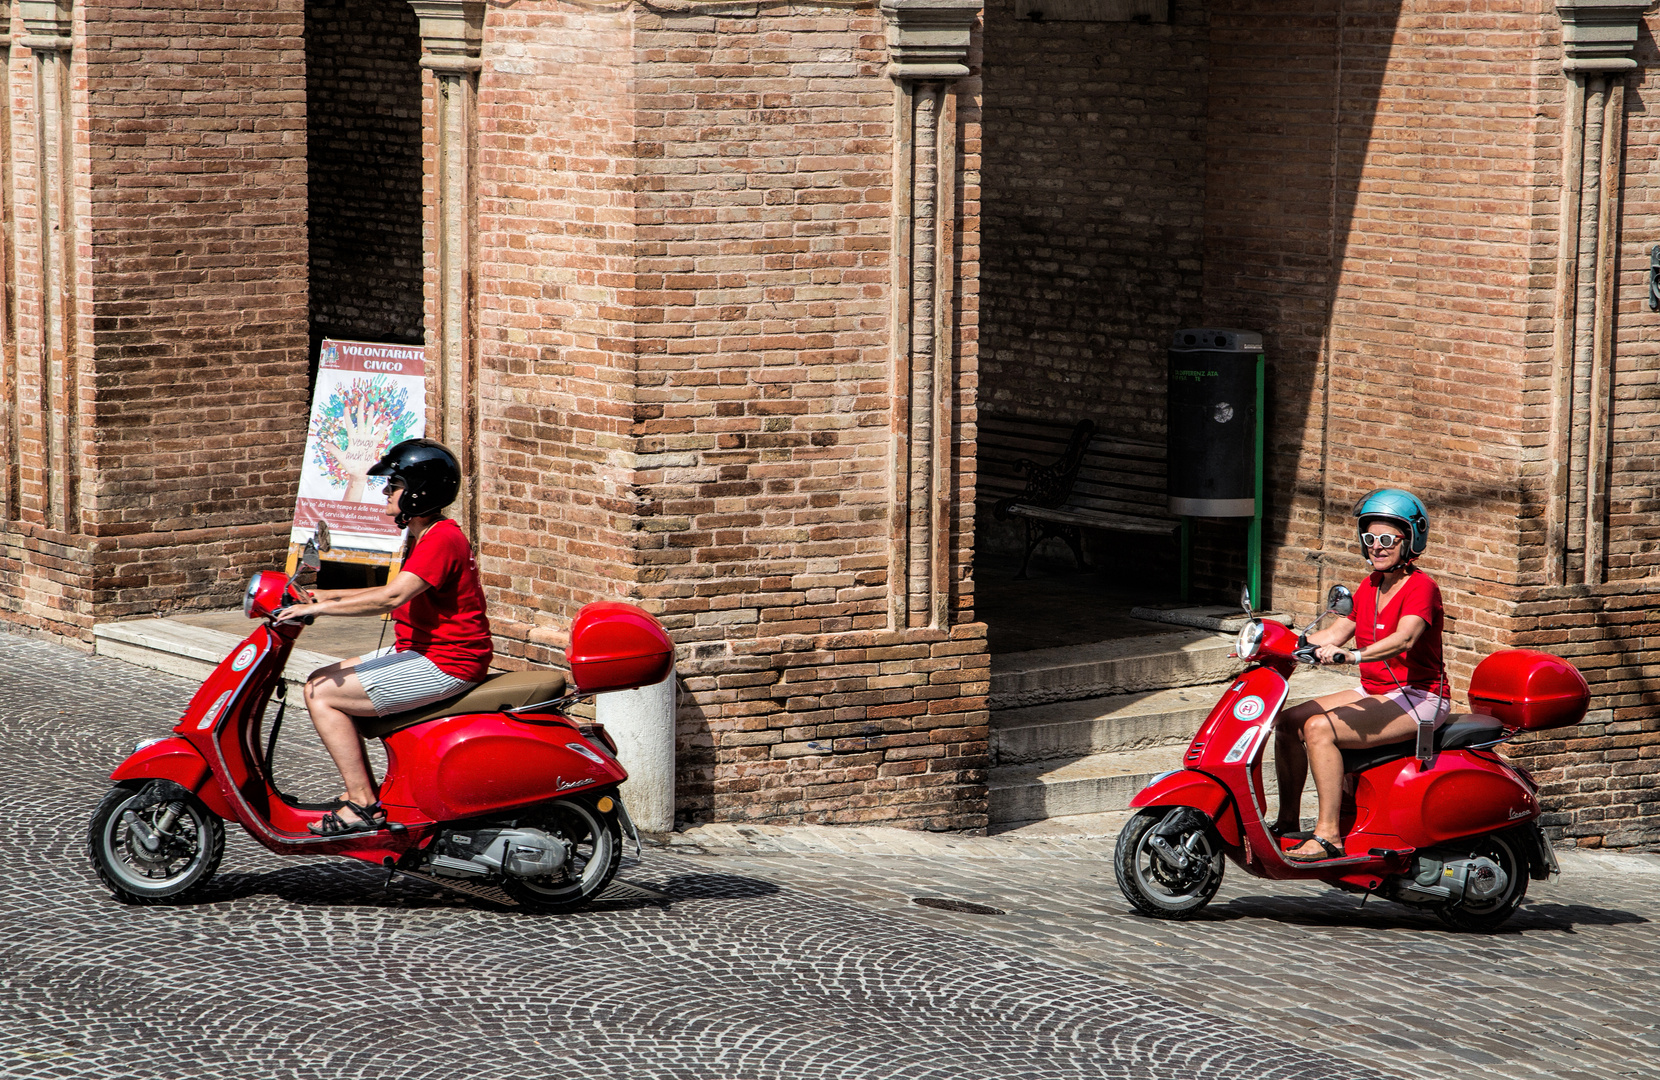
<point>685,251</point>
<point>363,140</point>
<point>179,393</point>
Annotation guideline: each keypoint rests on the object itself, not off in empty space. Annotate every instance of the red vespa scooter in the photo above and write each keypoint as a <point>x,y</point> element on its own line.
<point>1444,822</point>
<point>495,787</point>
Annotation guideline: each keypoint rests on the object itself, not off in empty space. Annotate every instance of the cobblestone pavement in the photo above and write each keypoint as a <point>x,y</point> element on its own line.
<point>782,953</point>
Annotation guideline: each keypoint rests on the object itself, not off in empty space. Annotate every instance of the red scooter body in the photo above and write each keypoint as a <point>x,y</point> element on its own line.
<point>476,772</point>
<point>1396,807</point>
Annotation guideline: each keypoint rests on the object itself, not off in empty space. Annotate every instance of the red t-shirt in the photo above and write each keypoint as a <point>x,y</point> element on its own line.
<point>1420,665</point>
<point>446,622</point>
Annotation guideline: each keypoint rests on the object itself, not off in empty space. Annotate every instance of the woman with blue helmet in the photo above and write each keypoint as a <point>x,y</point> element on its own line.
<point>1396,626</point>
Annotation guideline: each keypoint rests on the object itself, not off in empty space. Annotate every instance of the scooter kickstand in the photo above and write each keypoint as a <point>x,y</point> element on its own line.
<point>391,871</point>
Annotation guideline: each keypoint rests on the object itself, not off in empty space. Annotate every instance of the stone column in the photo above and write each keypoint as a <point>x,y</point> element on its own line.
<point>452,34</point>
<point>1598,38</point>
<point>928,43</point>
<point>48,24</point>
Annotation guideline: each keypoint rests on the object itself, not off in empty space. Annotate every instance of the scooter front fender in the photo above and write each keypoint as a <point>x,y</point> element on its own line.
<point>1201,791</point>
<point>176,760</point>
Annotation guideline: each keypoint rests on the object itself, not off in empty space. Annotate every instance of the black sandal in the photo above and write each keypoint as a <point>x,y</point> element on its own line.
<point>1332,852</point>
<point>371,818</point>
<point>1295,834</point>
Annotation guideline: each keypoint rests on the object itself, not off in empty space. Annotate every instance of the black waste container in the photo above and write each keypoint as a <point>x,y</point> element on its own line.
<point>1212,432</point>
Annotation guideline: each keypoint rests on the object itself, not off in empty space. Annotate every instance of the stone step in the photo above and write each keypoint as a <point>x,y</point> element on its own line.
<point>1143,741</point>
<point>1072,729</point>
<point>1125,721</point>
<point>191,652</point>
<point>1120,666</point>
<point>1088,785</point>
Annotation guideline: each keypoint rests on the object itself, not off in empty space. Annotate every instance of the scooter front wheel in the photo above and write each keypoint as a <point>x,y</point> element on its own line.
<point>594,839</point>
<point>153,842</point>
<point>1168,862</point>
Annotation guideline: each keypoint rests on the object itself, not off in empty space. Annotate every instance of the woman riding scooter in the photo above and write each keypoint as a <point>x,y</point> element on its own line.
<point>1396,623</point>
<point>443,644</point>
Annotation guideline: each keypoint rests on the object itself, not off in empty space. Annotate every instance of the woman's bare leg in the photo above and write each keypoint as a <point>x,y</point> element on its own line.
<point>333,696</point>
<point>1370,721</point>
<point>1291,757</point>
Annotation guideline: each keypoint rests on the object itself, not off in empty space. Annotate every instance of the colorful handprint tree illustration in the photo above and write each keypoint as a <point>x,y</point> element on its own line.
<point>360,419</point>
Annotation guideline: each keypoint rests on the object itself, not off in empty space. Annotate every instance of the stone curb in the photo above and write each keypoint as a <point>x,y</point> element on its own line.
<point>808,840</point>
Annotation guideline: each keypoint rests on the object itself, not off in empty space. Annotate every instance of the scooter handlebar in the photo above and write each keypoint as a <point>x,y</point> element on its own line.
<point>1306,654</point>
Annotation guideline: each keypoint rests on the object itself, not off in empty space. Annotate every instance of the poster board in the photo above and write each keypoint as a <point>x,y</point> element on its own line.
<point>369,397</point>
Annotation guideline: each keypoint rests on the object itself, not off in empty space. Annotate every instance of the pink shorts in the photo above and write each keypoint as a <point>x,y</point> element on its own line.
<point>1420,704</point>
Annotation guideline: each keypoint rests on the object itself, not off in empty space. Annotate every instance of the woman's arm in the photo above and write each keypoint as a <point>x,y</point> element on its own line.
<point>1407,632</point>
<point>376,601</point>
<point>1337,633</point>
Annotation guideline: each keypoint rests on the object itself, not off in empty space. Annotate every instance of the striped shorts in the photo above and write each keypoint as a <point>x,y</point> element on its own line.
<point>399,681</point>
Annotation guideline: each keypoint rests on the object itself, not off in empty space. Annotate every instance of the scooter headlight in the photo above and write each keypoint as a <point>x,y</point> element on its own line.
<point>1249,640</point>
<point>248,596</point>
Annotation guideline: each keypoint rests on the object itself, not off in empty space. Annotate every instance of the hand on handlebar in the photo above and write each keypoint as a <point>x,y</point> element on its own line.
<point>296,612</point>
<point>1331,654</point>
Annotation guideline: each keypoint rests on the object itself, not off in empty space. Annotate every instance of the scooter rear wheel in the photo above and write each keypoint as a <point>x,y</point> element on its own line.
<point>1486,915</point>
<point>595,839</point>
<point>181,862</point>
<point>1154,886</point>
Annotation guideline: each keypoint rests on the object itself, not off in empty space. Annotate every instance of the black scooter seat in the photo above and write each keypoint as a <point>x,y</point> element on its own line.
<point>508,690</point>
<point>1467,729</point>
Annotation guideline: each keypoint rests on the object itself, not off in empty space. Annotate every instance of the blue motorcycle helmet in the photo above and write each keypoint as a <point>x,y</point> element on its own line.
<point>1401,508</point>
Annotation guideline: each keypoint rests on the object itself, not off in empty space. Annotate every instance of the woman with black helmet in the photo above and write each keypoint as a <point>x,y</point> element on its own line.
<point>1396,623</point>
<point>443,642</point>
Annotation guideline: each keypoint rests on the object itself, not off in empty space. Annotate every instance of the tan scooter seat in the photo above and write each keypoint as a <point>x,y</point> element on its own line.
<point>496,693</point>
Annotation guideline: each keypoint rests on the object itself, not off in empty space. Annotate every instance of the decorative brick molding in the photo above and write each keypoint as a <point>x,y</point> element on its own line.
<point>452,35</point>
<point>929,39</point>
<point>928,44</point>
<point>1598,37</point>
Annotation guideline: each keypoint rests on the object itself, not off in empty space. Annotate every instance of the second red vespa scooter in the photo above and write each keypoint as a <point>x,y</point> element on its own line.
<point>496,789</point>
<point>1445,822</point>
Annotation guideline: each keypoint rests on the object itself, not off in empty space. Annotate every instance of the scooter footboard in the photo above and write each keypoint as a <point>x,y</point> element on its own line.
<point>1204,793</point>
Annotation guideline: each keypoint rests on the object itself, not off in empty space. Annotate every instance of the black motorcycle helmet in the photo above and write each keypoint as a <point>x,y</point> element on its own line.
<point>430,475</point>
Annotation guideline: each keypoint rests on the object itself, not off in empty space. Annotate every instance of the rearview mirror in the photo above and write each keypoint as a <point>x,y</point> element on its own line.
<point>1340,601</point>
<point>1245,599</point>
<point>309,558</point>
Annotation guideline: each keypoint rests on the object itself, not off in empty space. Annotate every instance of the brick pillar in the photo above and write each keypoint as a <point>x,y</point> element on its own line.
<point>1598,39</point>
<point>452,33</point>
<point>8,293</point>
<point>928,42</point>
<point>48,23</point>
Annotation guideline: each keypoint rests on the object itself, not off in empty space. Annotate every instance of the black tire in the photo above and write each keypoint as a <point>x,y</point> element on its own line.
<point>1154,887</point>
<point>595,837</point>
<point>179,868</point>
<point>1485,916</point>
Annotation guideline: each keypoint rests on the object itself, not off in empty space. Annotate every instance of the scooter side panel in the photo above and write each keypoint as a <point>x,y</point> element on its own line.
<point>1460,794</point>
<point>1189,788</point>
<point>176,760</point>
<point>486,763</point>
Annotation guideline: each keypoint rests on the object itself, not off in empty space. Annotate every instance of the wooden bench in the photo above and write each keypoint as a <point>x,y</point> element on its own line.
<point>1062,478</point>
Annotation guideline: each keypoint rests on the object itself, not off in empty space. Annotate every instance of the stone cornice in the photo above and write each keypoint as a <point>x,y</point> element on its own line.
<point>451,27</point>
<point>48,23</point>
<point>1599,35</point>
<point>928,39</point>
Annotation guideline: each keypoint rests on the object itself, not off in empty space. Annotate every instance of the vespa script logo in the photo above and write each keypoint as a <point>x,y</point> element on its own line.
<point>244,658</point>
<point>1522,813</point>
<point>561,784</point>
<point>1248,708</point>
